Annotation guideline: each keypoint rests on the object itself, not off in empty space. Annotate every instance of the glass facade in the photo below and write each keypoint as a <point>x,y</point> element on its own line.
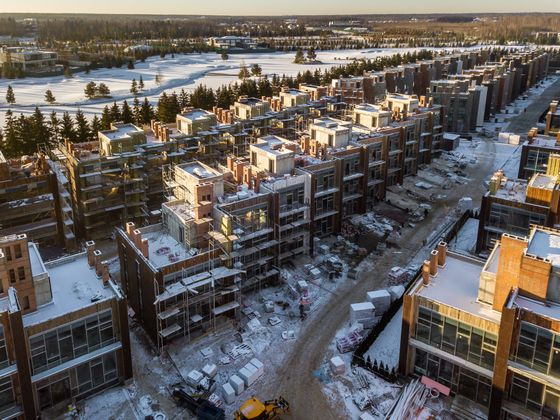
<point>538,349</point>
<point>457,338</point>
<point>535,396</point>
<point>70,341</point>
<point>460,380</point>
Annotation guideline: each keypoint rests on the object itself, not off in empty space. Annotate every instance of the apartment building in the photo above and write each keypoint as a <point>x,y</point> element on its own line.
<point>290,98</point>
<point>331,132</point>
<point>552,127</point>
<point>64,329</point>
<point>513,206</point>
<point>355,90</point>
<point>486,329</point>
<point>193,120</point>
<point>315,92</point>
<point>29,60</point>
<point>34,200</point>
<point>119,177</point>
<point>246,108</point>
<point>371,116</point>
<point>535,153</point>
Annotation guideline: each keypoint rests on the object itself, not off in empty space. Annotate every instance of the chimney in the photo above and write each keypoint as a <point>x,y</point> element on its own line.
<point>442,253</point>
<point>105,276</point>
<point>433,263</point>
<point>426,272</point>
<point>130,229</point>
<point>90,247</point>
<point>145,248</point>
<point>97,254</point>
<point>230,163</point>
<point>137,238</point>
<point>257,186</point>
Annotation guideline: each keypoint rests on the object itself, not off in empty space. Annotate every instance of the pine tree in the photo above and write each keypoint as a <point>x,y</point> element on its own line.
<point>54,128</point>
<point>162,107</point>
<point>40,129</point>
<point>10,96</point>
<point>103,90</point>
<point>106,119</point>
<point>136,112</point>
<point>49,97</point>
<point>183,99</point>
<point>95,127</point>
<point>141,83</point>
<point>147,112</point>
<point>67,128</point>
<point>115,113</point>
<point>90,90</point>
<point>134,87</point>
<point>126,113</point>
<point>130,64</point>
<point>10,142</point>
<point>82,127</point>
<point>25,135</point>
<point>311,54</point>
<point>299,58</point>
<point>243,71</point>
<point>256,70</point>
<point>68,73</point>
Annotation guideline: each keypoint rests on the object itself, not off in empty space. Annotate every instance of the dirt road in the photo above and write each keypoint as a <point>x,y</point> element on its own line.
<point>295,378</point>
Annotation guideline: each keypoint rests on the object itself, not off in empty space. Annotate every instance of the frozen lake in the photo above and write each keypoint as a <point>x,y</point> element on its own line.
<point>183,71</point>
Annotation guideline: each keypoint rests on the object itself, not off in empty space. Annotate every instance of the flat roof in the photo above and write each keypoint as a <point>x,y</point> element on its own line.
<point>456,285</point>
<point>37,266</point>
<point>332,124</point>
<point>545,244</point>
<point>548,309</point>
<point>73,285</point>
<point>121,131</point>
<point>196,114</point>
<point>198,170</point>
<point>513,190</point>
<point>274,145</point>
<point>164,249</point>
<point>543,181</point>
<point>372,108</point>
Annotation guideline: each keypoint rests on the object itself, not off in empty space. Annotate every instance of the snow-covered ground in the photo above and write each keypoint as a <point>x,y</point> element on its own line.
<point>386,348</point>
<point>465,241</point>
<point>182,71</point>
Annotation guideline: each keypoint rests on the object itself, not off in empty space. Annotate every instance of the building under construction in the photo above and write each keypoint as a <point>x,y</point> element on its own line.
<point>34,201</point>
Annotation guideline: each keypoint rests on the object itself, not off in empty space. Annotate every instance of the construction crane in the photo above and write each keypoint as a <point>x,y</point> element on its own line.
<point>253,409</point>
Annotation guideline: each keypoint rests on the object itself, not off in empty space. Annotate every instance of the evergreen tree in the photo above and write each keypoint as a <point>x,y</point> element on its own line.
<point>25,138</point>
<point>225,56</point>
<point>264,87</point>
<point>134,87</point>
<point>311,55</point>
<point>82,127</point>
<point>126,113</point>
<point>40,129</point>
<point>68,73</point>
<point>300,57</point>
<point>159,78</point>
<point>130,64</point>
<point>115,113</point>
<point>183,99</point>
<point>256,70</point>
<point>49,97</point>
<point>95,127</point>
<point>10,142</point>
<point>106,118</point>
<point>141,83</point>
<point>243,71</point>
<point>10,96</point>
<point>136,112</point>
<point>147,112</point>
<point>90,90</point>
<point>67,127</point>
<point>103,90</point>
<point>54,128</point>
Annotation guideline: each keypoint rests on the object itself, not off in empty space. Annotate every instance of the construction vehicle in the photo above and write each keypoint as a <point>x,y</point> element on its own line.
<point>197,404</point>
<point>254,409</point>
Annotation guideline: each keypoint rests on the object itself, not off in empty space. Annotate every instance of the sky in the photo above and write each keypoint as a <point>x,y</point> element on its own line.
<point>268,7</point>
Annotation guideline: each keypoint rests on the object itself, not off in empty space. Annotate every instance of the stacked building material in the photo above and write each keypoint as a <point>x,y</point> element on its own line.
<point>381,299</point>
<point>362,313</point>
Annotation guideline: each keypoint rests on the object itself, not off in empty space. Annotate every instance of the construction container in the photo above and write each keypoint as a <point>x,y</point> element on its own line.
<point>228,393</point>
<point>337,365</point>
<point>210,370</point>
<point>381,299</point>
<point>258,365</point>
<point>237,384</point>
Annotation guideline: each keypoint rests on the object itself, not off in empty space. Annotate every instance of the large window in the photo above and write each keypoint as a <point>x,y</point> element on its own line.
<point>539,349</point>
<point>92,374</point>
<point>460,339</point>
<point>6,392</point>
<point>4,362</point>
<point>460,380</point>
<point>513,220</point>
<point>536,396</point>
<point>70,341</point>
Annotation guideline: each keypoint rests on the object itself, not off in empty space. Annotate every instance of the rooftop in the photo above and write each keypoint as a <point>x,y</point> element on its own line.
<point>198,170</point>
<point>545,244</point>
<point>196,114</point>
<point>163,248</point>
<point>274,145</point>
<point>121,131</point>
<point>74,284</point>
<point>544,141</point>
<point>547,182</point>
<point>372,108</point>
<point>332,124</point>
<point>548,309</point>
<point>456,285</point>
<point>513,190</point>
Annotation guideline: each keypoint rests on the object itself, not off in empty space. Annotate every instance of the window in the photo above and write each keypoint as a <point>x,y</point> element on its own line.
<point>539,349</point>
<point>17,251</point>
<point>8,253</point>
<point>96,372</point>
<point>25,302</point>
<point>12,275</point>
<point>457,338</point>
<point>21,273</point>
<point>70,341</point>
<point>6,392</point>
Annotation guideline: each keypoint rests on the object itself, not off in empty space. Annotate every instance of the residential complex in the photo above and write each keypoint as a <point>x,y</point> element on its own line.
<point>29,60</point>
<point>64,328</point>
<point>487,329</point>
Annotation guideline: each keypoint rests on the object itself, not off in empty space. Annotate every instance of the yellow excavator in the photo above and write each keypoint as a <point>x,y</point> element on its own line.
<point>253,409</point>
